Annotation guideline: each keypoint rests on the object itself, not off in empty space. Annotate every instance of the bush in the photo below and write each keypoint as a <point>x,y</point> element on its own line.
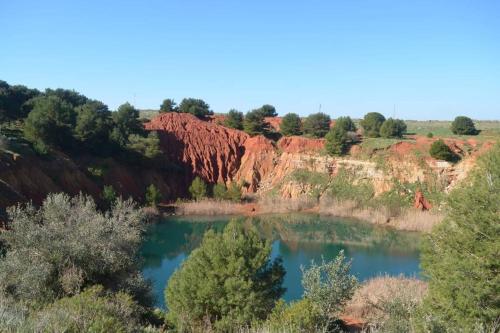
<point>460,256</point>
<point>329,286</point>
<point>430,135</point>
<point>148,147</point>
<point>291,125</point>
<point>66,245</point>
<point>168,105</point>
<point>337,141</point>
<point>93,310</point>
<point>463,126</point>
<point>109,196</point>
<point>234,119</point>
<point>153,196</point>
<point>126,122</point>
<point>299,316</point>
<point>254,123</point>
<point>440,150</point>
<point>392,128</point>
<point>228,281</point>
<point>233,192</point>
<point>93,124</point>
<point>196,107</point>
<point>317,125</point>
<point>198,189</point>
<point>371,124</point>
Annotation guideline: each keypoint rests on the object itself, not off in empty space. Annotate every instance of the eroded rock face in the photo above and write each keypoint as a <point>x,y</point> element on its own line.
<point>202,148</point>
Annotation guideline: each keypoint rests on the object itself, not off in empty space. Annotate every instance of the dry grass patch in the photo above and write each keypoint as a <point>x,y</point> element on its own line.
<point>209,207</point>
<point>408,219</point>
<point>282,205</point>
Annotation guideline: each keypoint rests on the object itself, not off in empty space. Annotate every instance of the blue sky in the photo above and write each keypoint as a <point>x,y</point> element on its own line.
<point>430,59</point>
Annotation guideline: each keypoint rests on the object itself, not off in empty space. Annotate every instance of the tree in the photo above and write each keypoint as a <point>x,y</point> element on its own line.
<point>67,245</point>
<point>337,141</point>
<point>329,285</point>
<point>168,105</point>
<point>460,256</point>
<point>12,100</point>
<point>148,146</point>
<point>371,124</point>
<point>93,124</point>
<point>126,122</point>
<point>317,125</point>
<point>440,150</point>
<point>50,122</point>
<point>463,126</point>
<point>153,196</point>
<point>392,128</point>
<point>233,192</point>
<point>198,189</point>
<point>196,107</point>
<point>346,124</point>
<point>234,119</point>
<point>291,125</point>
<point>229,281</point>
<point>254,123</point>
<point>71,97</point>
<point>268,110</point>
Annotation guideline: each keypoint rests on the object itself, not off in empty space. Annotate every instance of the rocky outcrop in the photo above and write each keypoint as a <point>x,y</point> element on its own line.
<point>201,148</point>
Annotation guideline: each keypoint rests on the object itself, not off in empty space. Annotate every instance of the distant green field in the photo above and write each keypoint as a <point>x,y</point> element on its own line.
<point>442,128</point>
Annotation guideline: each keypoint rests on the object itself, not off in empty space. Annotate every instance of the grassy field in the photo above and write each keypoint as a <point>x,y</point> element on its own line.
<point>442,128</point>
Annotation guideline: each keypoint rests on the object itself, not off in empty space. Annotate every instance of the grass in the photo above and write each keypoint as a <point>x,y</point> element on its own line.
<point>209,207</point>
<point>490,129</point>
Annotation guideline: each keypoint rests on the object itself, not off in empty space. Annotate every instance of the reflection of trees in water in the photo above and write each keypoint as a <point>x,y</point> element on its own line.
<point>306,231</point>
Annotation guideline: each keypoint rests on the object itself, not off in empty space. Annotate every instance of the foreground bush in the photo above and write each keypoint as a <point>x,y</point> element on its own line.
<point>66,245</point>
<point>440,150</point>
<point>229,281</point>
<point>461,256</point>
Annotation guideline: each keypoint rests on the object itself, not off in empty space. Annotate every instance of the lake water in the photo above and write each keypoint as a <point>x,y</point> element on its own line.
<point>297,238</point>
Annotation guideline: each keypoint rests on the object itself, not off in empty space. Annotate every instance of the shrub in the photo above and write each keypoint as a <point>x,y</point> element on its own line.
<point>430,135</point>
<point>126,122</point>
<point>234,119</point>
<point>146,146</point>
<point>233,192</point>
<point>346,124</point>
<point>463,126</point>
<point>198,189</point>
<point>337,141</point>
<point>66,245</point>
<point>196,107</point>
<point>291,125</point>
<point>168,105</point>
<point>93,310</point>
<point>298,316</point>
<point>460,256</point>
<point>153,196</point>
<point>392,128</point>
<point>329,286</point>
<point>317,125</point>
<point>371,124</point>
<point>254,123</point>
<point>440,150</point>
<point>109,195</point>
<point>228,281</point>
<point>93,124</point>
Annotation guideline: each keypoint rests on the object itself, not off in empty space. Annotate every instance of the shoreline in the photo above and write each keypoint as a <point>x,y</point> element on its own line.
<point>407,219</point>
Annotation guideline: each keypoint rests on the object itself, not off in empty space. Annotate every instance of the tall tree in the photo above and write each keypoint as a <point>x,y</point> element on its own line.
<point>463,126</point>
<point>126,122</point>
<point>168,105</point>
<point>93,124</point>
<point>317,125</point>
<point>291,125</point>
<point>371,124</point>
<point>234,119</point>
<point>268,110</point>
<point>196,107</point>
<point>254,123</point>
<point>461,257</point>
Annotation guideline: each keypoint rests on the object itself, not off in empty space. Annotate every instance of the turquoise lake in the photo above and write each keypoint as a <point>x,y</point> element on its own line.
<point>297,238</point>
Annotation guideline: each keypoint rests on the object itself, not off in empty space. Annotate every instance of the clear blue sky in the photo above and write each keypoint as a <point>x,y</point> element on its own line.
<point>431,59</point>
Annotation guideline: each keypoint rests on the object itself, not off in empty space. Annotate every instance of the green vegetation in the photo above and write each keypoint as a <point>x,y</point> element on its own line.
<point>440,150</point>
<point>393,128</point>
<point>371,124</point>
<point>291,125</point>
<point>234,119</point>
<point>254,123</point>
<point>168,105</point>
<point>316,125</point>
<point>463,126</point>
<point>267,110</point>
<point>232,192</point>
<point>153,196</point>
<point>337,141</point>
<point>196,107</point>
<point>109,196</point>
<point>460,256</point>
<point>147,146</point>
<point>12,100</point>
<point>198,189</point>
<point>346,124</point>
<point>228,281</point>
